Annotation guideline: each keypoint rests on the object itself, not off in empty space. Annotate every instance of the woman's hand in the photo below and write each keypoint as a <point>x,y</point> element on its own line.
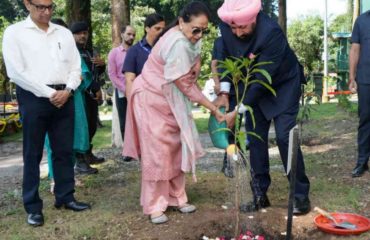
<point>230,119</point>
<point>220,117</point>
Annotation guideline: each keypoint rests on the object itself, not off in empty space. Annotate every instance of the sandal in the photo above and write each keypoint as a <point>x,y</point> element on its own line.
<point>159,219</point>
<point>187,208</point>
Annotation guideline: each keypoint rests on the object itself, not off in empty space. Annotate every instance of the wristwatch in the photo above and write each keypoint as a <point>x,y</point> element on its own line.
<point>70,91</point>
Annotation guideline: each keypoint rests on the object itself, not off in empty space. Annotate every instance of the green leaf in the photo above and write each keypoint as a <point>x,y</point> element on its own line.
<point>250,111</point>
<point>265,85</point>
<point>255,135</point>
<point>264,73</point>
<point>261,64</point>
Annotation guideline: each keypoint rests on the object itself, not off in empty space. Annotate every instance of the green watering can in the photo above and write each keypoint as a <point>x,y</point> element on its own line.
<point>219,138</point>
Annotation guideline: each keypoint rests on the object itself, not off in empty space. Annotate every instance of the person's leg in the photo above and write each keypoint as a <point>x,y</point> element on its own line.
<point>92,121</point>
<point>283,124</point>
<point>177,193</point>
<point>92,115</point>
<point>35,114</point>
<point>154,196</point>
<point>121,104</point>
<point>61,141</point>
<point>259,158</point>
<point>363,138</point>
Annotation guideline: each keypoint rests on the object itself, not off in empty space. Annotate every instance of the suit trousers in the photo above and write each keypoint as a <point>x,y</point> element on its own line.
<point>259,157</point>
<point>363,137</point>
<point>39,117</point>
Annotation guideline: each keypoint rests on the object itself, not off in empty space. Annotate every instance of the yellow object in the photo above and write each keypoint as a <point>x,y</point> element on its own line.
<point>2,125</point>
<point>231,149</point>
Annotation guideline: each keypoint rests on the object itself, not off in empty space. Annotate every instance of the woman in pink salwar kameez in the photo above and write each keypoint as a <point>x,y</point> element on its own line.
<point>159,121</point>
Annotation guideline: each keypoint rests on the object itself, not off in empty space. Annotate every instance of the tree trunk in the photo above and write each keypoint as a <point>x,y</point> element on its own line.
<point>356,10</point>
<point>282,15</point>
<point>120,17</point>
<point>79,10</point>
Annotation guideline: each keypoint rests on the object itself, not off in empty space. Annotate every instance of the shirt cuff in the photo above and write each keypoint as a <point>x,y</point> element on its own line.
<point>242,108</point>
<point>225,87</point>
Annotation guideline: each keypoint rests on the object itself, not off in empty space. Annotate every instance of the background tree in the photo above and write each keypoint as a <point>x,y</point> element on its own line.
<point>356,10</point>
<point>270,7</point>
<point>282,15</point>
<point>307,32</point>
<point>79,10</point>
<point>12,9</point>
<point>120,17</point>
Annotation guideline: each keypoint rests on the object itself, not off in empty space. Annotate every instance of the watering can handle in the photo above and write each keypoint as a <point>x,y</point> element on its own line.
<point>323,212</point>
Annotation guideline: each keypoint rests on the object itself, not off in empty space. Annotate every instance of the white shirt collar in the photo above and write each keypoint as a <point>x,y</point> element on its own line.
<point>29,23</point>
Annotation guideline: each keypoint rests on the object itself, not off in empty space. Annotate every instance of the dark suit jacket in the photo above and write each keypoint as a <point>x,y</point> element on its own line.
<point>268,43</point>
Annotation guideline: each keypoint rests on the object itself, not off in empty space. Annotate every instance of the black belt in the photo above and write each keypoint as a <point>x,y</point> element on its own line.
<point>57,86</point>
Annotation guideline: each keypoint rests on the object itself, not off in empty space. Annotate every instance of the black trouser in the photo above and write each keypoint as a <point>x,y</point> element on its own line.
<point>363,138</point>
<point>259,156</point>
<point>92,112</point>
<point>122,109</point>
<point>39,117</point>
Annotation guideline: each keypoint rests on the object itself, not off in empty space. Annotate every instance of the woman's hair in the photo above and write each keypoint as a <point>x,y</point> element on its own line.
<point>152,19</point>
<point>192,9</point>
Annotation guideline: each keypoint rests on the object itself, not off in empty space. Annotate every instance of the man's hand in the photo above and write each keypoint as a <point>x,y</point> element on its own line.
<point>352,86</point>
<point>98,96</point>
<point>98,61</point>
<point>59,98</point>
<point>230,119</point>
<point>222,101</point>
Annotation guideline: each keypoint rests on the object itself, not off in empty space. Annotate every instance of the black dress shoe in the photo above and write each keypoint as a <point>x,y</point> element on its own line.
<point>35,219</point>
<point>256,204</point>
<point>359,170</point>
<point>301,206</point>
<point>127,159</point>
<point>82,167</point>
<point>74,205</point>
<point>92,159</point>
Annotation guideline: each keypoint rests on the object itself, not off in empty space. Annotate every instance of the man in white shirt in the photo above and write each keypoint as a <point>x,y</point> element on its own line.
<point>42,59</point>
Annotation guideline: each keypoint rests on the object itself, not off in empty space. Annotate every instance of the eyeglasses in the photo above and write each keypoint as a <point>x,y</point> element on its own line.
<point>196,31</point>
<point>42,8</point>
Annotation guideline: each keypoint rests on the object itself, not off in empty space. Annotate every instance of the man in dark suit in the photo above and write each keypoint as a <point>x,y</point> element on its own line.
<point>248,32</point>
<point>359,81</point>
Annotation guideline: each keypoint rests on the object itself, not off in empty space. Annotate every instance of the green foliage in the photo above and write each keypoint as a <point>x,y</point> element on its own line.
<point>3,78</point>
<point>345,104</point>
<point>342,23</point>
<point>138,15</point>
<point>244,70</point>
<point>12,9</point>
<point>305,38</point>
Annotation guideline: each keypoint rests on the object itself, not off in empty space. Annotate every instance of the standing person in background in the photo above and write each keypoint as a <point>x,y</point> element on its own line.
<point>138,54</point>
<point>359,81</point>
<point>159,121</point>
<point>93,94</point>
<point>116,57</point>
<point>248,32</point>
<point>42,59</point>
